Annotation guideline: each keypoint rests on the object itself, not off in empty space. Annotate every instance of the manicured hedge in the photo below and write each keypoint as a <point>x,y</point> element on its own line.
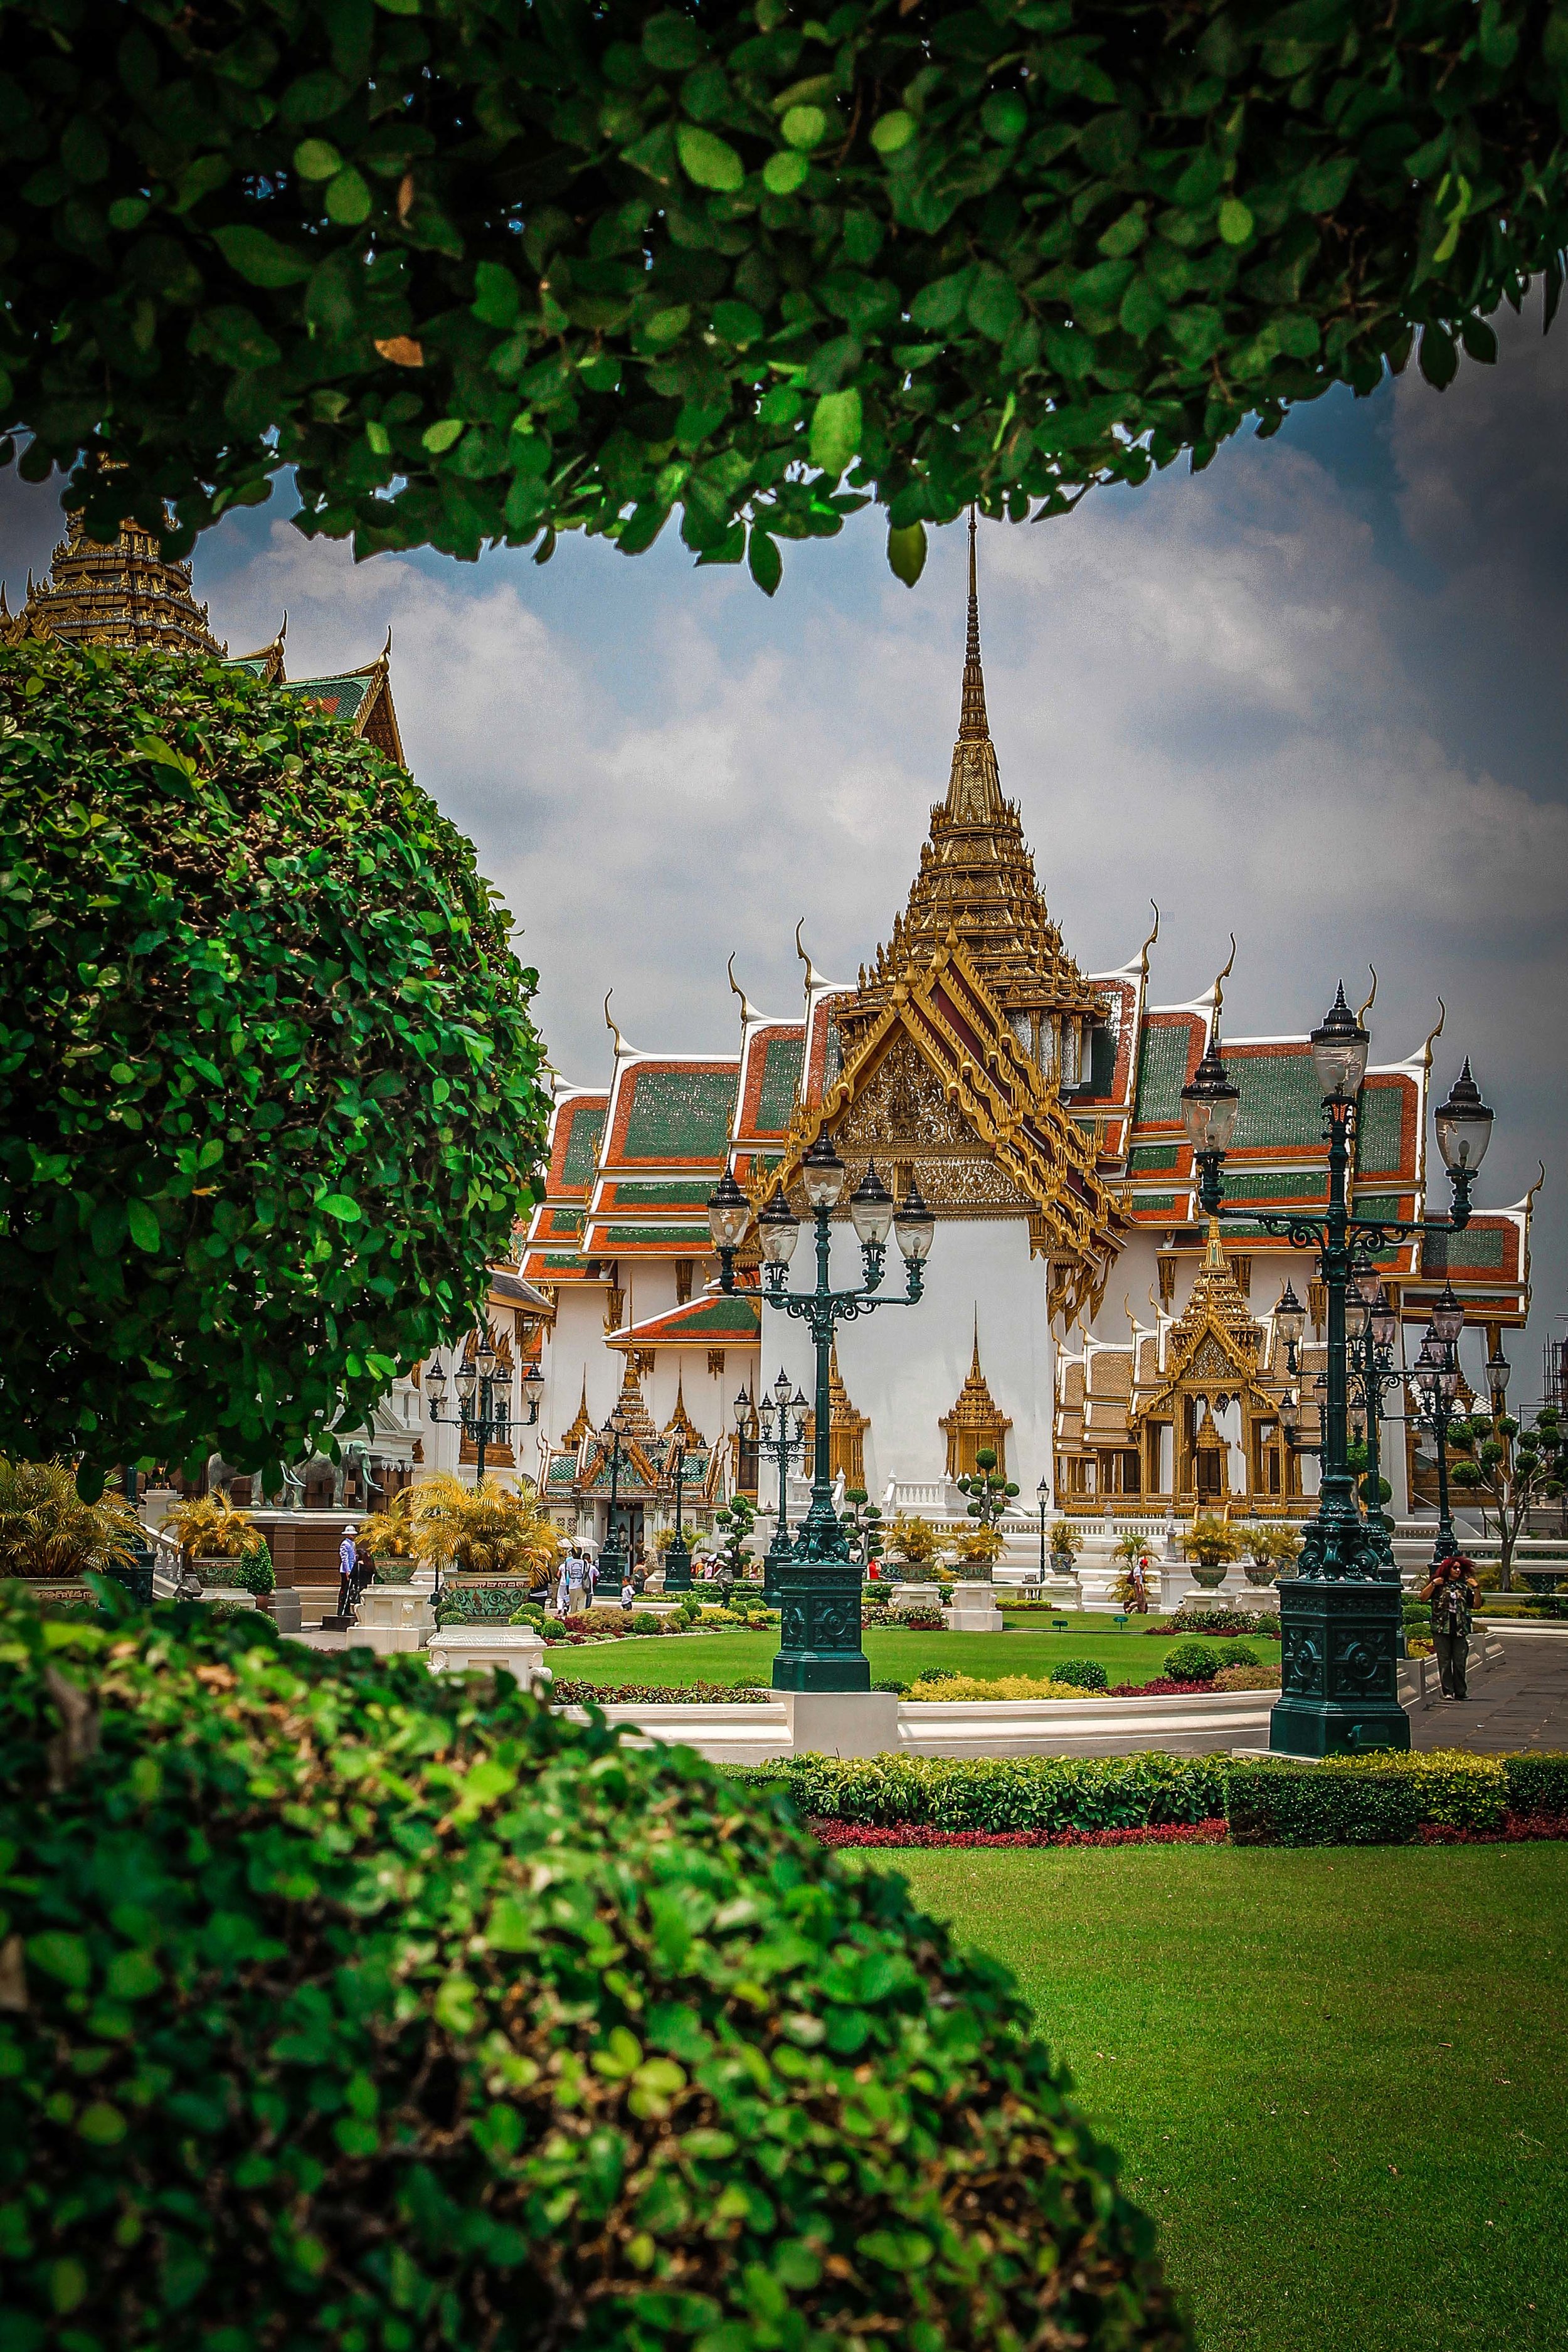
<point>1011,1793</point>
<point>1348,1800</point>
<point>349,2005</point>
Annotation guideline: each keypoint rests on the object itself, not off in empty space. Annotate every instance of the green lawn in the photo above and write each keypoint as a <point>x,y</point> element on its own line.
<point>1337,2078</point>
<point>736,1657</point>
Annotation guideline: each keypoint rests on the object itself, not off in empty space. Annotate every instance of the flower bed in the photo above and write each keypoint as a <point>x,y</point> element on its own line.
<point>848,1834</point>
<point>1001,1687</point>
<point>905,1620</point>
<point>1163,1686</point>
<point>1221,1621</point>
<point>569,1693</point>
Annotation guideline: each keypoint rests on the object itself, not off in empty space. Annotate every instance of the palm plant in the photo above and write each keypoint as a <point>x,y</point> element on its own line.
<point>392,1535</point>
<point>207,1526</point>
<point>47,1531</point>
<point>487,1530</point>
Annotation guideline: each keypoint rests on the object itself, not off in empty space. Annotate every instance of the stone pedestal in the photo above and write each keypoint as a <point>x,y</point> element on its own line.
<point>1340,1669</point>
<point>973,1610</point>
<point>843,1723</point>
<point>912,1596</point>
<point>283,1607</point>
<point>516,1650</point>
<point>393,1617</point>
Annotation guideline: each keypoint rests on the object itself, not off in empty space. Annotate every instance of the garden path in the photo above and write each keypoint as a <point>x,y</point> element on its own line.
<point>1520,1704</point>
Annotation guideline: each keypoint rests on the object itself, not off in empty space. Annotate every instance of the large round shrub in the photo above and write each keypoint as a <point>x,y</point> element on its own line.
<point>1193,1661</point>
<point>482,269</point>
<point>346,2006</point>
<point>267,1095</point>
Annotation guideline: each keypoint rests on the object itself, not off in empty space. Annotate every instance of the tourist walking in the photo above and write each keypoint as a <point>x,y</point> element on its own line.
<point>1452,1592</point>
<point>561,1580</point>
<point>576,1573</point>
<point>347,1563</point>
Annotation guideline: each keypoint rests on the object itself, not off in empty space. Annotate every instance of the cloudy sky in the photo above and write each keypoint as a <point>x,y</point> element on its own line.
<point>1312,696</point>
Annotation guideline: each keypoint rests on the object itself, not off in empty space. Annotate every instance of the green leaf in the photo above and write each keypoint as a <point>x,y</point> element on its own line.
<point>1439,361</point>
<point>348,200</point>
<point>100,2125</point>
<point>891,133</point>
<point>709,160</point>
<point>765,560</point>
<point>65,1957</point>
<point>836,425</point>
<point>441,437</point>
<point>1324,185</point>
<point>495,297</point>
<point>805,126</point>
<point>338,1205</point>
<point>141,1223</point>
<point>317,158</point>
<point>259,257</point>
<point>1235,221</point>
<point>782,174</point>
<point>907,552</point>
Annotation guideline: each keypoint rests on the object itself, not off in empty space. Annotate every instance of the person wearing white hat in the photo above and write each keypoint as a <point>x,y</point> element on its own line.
<point>347,1563</point>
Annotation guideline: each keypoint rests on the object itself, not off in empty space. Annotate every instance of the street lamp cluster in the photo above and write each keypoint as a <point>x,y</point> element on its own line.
<point>783,1424</point>
<point>818,1582</point>
<point>1340,1613</point>
<point>483,1386</point>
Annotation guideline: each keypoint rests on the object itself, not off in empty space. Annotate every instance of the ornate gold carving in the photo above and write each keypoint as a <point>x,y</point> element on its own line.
<point>715,1363</point>
<point>846,1430</point>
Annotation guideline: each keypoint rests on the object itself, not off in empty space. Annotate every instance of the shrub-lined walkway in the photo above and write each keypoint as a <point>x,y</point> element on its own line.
<point>1334,2076</point>
<point>1519,1705</point>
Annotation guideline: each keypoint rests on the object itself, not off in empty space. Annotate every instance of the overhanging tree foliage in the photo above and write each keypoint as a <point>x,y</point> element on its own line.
<point>268,1108</point>
<point>488,269</point>
<point>1515,1467</point>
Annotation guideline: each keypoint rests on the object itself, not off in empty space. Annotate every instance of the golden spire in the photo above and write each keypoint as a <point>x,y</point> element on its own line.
<point>125,595</point>
<point>975,789</point>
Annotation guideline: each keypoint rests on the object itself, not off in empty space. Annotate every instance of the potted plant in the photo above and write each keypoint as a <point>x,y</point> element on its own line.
<point>1211,1544</point>
<point>1270,1552</point>
<point>912,1540</point>
<point>1066,1544</point>
<point>484,1541</point>
<point>49,1537</point>
<point>391,1539</point>
<point>219,1546</point>
<point>978,1550</point>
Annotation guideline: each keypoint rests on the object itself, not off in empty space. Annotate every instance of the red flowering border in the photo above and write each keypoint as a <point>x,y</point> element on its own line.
<point>1518,1829</point>
<point>841,1833</point>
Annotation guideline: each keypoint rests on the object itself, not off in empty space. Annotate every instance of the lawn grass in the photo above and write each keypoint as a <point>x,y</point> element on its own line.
<point>737,1657</point>
<point>1337,2078</point>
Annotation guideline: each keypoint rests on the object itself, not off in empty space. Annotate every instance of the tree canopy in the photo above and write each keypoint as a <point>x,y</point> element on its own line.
<point>267,1107</point>
<point>488,270</point>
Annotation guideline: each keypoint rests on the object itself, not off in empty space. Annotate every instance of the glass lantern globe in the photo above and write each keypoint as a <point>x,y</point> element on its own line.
<point>1463,1125</point>
<point>1338,1050</point>
<point>823,1173</point>
<point>871,1208</point>
<point>914,1227</point>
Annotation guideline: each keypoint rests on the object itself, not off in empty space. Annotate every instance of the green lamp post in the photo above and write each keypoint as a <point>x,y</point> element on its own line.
<point>819,1584</point>
<point>678,1555</point>
<point>1341,1612</point>
<point>783,1420</point>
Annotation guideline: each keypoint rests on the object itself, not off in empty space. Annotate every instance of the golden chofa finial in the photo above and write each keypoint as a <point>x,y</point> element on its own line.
<point>1372,999</point>
<point>1529,1196</point>
<point>748,1010</point>
<point>609,1021</point>
<point>1433,1035</point>
<point>1220,979</point>
<point>1143,952</point>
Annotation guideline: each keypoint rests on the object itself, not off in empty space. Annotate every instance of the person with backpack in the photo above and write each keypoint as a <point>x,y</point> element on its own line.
<point>1452,1592</point>
<point>347,1571</point>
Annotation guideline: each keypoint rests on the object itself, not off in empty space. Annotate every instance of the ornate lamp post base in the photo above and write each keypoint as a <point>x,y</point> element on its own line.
<point>1340,1669</point>
<point>677,1567</point>
<point>819,1629</point>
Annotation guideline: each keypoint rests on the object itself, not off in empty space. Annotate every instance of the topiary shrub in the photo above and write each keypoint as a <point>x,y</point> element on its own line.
<point>645,1621</point>
<point>256,1574</point>
<point>1084,1673</point>
<point>404,2012</point>
<point>1195,1662</point>
<point>268,1108</point>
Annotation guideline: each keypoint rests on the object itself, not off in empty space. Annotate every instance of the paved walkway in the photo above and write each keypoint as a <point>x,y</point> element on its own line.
<point>1518,1705</point>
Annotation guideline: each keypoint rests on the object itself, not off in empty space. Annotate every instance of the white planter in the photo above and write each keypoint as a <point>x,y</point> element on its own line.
<point>516,1650</point>
<point>393,1617</point>
<point>973,1610</point>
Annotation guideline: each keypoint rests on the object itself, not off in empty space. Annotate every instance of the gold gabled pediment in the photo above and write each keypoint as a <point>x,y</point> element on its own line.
<point>940,1088</point>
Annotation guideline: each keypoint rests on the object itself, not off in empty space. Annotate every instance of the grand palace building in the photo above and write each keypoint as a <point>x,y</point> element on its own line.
<point>1081,1319</point>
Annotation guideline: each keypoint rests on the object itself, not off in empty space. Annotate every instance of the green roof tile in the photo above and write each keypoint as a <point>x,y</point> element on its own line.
<point>679,1115</point>
<point>618,1237</point>
<point>668,1194</point>
<point>1162,1074</point>
<point>1154,1160</point>
<point>1281,1102</point>
<point>781,1084</point>
<point>1381,1131</point>
<point>583,1143</point>
<point>1474,1252</point>
<point>1296,1188</point>
<point>340,697</point>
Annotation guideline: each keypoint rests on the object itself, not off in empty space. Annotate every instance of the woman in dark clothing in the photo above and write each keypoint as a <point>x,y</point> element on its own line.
<point>1452,1593</point>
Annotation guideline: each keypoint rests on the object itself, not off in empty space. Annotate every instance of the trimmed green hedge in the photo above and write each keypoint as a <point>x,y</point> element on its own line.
<point>1011,1793</point>
<point>345,2005</point>
<point>1348,1800</point>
